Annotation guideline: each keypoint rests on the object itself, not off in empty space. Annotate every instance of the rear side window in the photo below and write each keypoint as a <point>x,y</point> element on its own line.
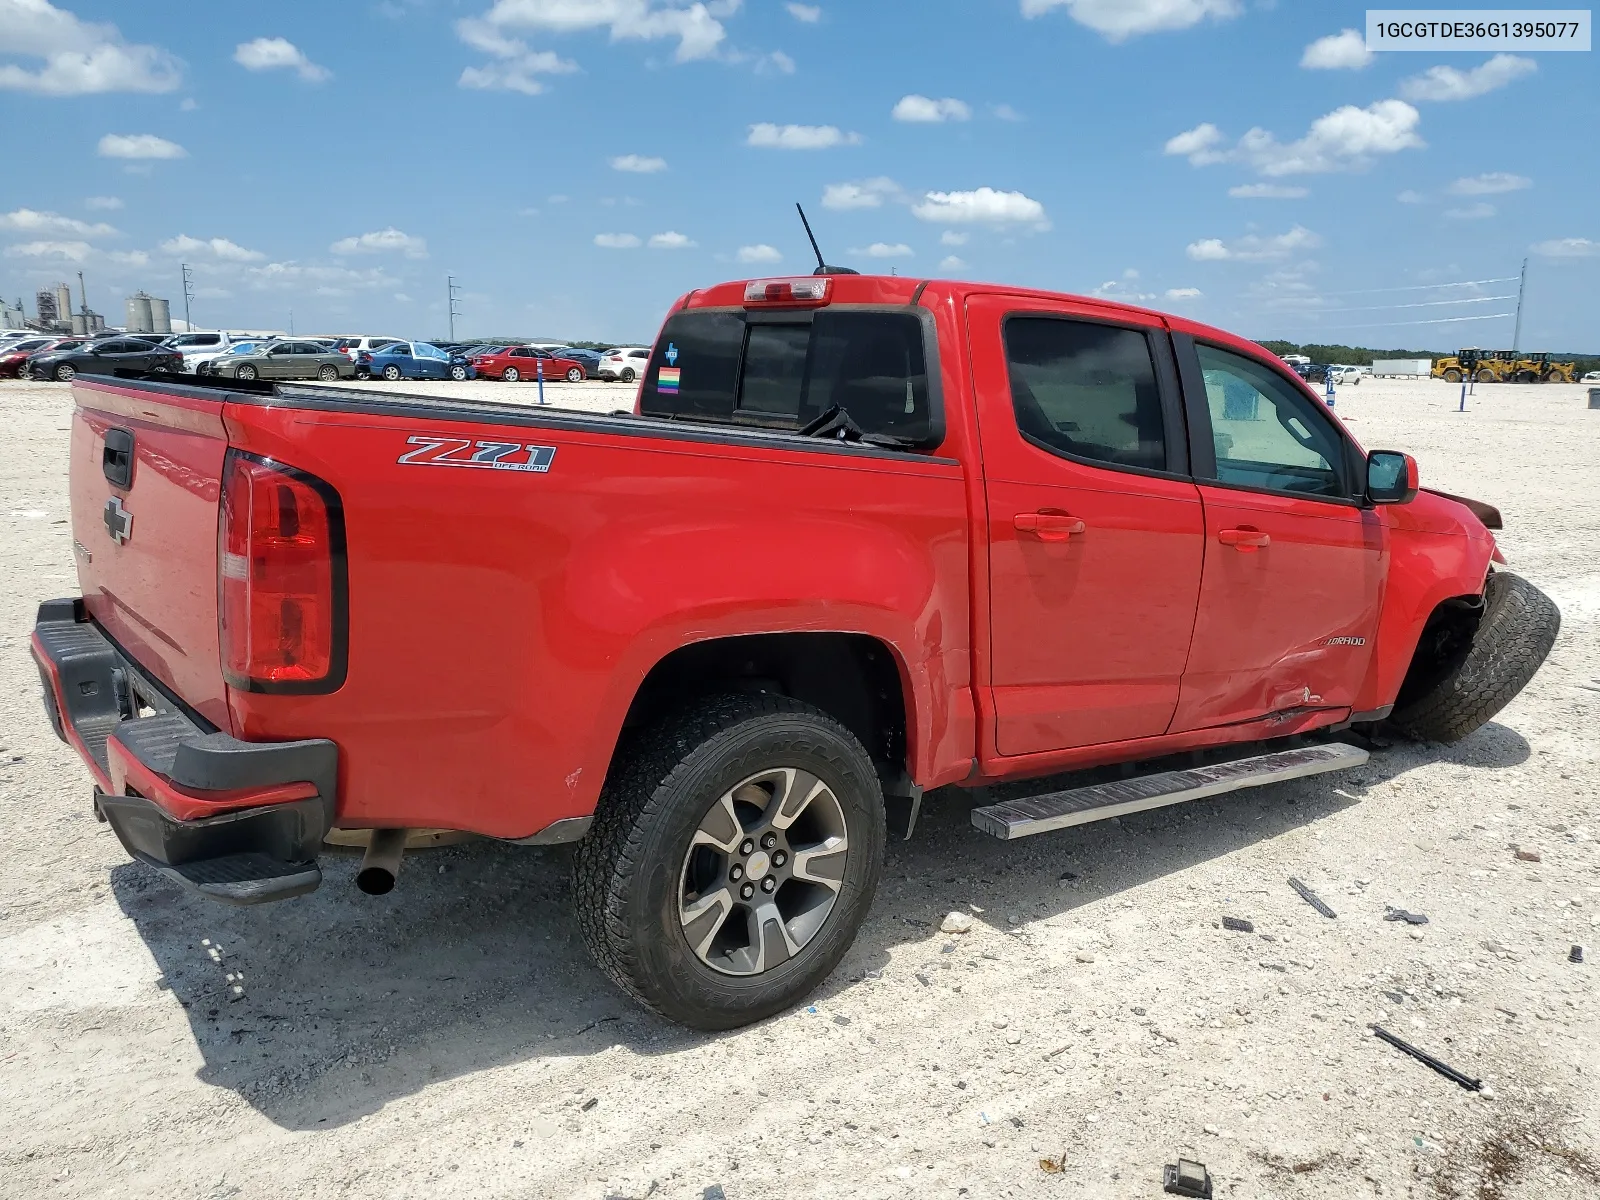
<point>1086,390</point>
<point>778,374</point>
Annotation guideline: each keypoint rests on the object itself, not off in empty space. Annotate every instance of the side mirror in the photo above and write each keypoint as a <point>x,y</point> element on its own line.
<point>1391,477</point>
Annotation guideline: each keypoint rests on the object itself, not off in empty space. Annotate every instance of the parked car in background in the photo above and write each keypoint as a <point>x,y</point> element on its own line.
<point>1343,374</point>
<point>297,359</point>
<point>104,357</point>
<point>625,363</point>
<point>414,360</point>
<point>589,358</point>
<point>14,353</point>
<point>206,343</point>
<point>354,347</point>
<point>1591,377</point>
<point>210,364</point>
<point>60,345</point>
<point>524,362</point>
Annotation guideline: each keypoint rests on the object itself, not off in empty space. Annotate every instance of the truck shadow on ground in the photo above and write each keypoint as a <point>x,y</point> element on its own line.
<point>347,1002</point>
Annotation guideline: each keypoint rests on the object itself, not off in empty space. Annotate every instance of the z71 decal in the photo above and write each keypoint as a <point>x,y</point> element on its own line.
<point>464,452</point>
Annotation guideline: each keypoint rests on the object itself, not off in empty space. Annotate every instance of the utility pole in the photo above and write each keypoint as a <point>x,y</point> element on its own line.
<point>453,292</point>
<point>83,303</point>
<point>291,322</point>
<point>1516,336</point>
<point>188,295</point>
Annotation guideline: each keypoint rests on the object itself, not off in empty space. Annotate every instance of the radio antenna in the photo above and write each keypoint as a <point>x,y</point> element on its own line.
<point>822,267</point>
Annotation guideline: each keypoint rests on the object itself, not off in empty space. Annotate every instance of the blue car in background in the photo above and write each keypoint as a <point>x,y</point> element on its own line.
<point>412,360</point>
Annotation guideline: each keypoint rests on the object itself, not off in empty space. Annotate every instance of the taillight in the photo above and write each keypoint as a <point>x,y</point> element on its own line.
<point>281,579</point>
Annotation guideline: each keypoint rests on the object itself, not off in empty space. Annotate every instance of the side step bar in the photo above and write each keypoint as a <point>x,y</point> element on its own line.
<point>1011,819</point>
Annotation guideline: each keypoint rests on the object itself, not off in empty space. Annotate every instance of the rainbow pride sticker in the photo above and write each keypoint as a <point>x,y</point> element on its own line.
<point>667,380</point>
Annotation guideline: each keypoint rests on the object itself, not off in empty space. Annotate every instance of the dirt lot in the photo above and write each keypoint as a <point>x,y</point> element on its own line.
<point>452,1038</point>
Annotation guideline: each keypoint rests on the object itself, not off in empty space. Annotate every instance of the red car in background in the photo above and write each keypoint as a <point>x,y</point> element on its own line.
<point>14,358</point>
<point>524,362</point>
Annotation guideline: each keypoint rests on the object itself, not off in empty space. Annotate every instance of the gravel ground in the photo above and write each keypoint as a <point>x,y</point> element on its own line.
<point>452,1037</point>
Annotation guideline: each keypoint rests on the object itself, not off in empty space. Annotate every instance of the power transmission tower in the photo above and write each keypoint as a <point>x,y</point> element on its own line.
<point>1516,336</point>
<point>454,294</point>
<point>188,295</point>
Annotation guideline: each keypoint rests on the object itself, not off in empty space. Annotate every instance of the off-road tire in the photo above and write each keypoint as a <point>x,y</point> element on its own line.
<point>1452,376</point>
<point>627,871</point>
<point>1518,627</point>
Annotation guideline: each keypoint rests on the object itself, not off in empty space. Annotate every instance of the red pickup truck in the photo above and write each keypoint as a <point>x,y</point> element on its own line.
<point>861,537</point>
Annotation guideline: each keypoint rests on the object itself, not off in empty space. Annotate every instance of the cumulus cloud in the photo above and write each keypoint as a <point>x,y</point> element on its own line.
<point>1119,20</point>
<point>79,58</point>
<point>383,241</point>
<point>218,248</point>
<point>951,262</point>
<point>885,250</point>
<point>1342,51</point>
<point>616,241</point>
<point>139,145</point>
<point>278,54</point>
<point>695,27</point>
<point>951,237</point>
<point>760,253</point>
<point>1494,183</point>
<point>671,240</point>
<point>1253,247</point>
<point>1184,293</point>
<point>799,137</point>
<point>1268,191</point>
<point>102,203</point>
<point>1347,139</point>
<point>810,14</point>
<point>1471,212</point>
<point>638,164</point>
<point>1448,83</point>
<point>517,67</point>
<point>27,220</point>
<point>921,109</point>
<point>868,193</point>
<point>70,251</point>
<point>1568,248</point>
<point>984,206</point>
<point>1410,196</point>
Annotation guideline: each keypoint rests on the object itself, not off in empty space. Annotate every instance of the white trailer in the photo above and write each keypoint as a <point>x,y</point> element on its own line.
<point>1391,368</point>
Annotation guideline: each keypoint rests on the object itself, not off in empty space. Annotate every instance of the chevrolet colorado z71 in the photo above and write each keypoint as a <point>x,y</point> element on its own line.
<point>861,537</point>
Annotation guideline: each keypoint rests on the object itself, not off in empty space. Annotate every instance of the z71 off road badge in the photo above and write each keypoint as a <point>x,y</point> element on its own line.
<point>119,521</point>
<point>464,452</point>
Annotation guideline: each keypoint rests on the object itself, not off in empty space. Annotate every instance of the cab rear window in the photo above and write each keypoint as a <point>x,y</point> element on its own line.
<point>785,370</point>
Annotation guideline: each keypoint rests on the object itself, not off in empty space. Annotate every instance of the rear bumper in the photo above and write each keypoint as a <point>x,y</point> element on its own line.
<point>236,821</point>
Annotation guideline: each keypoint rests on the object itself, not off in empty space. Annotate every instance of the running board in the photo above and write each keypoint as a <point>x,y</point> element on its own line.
<point>1011,819</point>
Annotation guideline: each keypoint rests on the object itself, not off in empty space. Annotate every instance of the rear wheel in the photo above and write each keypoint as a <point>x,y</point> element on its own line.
<point>627,375</point>
<point>327,372</point>
<point>575,375</point>
<point>1466,680</point>
<point>1485,376</point>
<point>734,855</point>
<point>511,375</point>
<point>64,372</point>
<point>391,372</point>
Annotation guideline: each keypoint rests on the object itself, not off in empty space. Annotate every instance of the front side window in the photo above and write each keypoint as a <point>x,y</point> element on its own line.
<point>1268,433</point>
<point>1086,390</point>
<point>786,372</point>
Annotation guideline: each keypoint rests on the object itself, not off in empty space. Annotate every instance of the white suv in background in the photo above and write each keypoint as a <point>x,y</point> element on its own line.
<point>205,343</point>
<point>354,347</point>
<point>626,363</point>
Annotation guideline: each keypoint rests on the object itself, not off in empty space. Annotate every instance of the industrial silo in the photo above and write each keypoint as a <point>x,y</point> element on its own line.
<point>63,303</point>
<point>80,327</point>
<point>160,316</point>
<point>139,316</point>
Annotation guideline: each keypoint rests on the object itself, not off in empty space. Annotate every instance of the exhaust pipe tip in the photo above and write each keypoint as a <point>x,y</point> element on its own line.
<point>380,866</point>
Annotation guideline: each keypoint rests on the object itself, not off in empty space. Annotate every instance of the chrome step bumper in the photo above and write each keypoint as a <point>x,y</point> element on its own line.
<point>1012,819</point>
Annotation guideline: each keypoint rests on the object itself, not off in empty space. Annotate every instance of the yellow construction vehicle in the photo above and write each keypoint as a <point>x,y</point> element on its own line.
<point>1537,368</point>
<point>1472,362</point>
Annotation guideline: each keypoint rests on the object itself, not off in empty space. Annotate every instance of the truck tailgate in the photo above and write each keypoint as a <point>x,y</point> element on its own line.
<point>145,477</point>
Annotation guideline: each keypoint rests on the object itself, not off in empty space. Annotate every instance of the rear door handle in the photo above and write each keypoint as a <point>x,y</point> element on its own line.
<point>1244,538</point>
<point>1048,526</point>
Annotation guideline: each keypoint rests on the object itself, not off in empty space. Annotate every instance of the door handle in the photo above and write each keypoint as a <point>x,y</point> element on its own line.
<point>1244,539</point>
<point>1048,526</point>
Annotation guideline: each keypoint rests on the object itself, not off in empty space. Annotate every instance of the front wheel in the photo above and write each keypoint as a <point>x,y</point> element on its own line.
<point>575,375</point>
<point>1452,376</point>
<point>1465,683</point>
<point>391,372</point>
<point>734,855</point>
<point>458,372</point>
<point>245,373</point>
<point>1485,376</point>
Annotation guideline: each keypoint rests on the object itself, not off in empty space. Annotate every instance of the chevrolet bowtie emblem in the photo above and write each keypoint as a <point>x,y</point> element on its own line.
<point>119,521</point>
